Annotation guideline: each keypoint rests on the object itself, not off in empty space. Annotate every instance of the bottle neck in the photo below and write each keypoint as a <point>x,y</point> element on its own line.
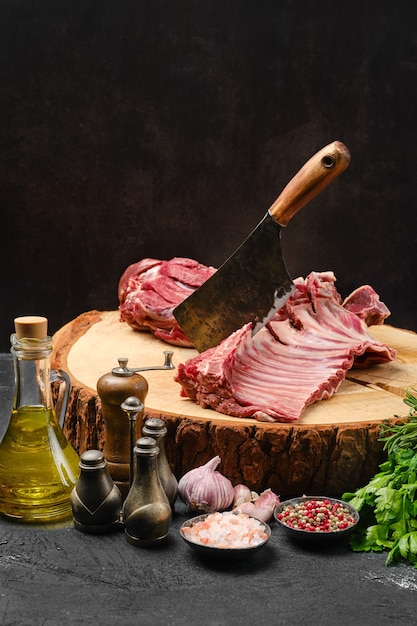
<point>31,358</point>
<point>146,468</point>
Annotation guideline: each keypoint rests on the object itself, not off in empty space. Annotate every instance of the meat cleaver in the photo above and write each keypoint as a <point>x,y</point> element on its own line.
<point>253,284</point>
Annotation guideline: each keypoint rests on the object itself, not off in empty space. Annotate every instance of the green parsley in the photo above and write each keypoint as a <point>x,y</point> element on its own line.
<point>388,503</point>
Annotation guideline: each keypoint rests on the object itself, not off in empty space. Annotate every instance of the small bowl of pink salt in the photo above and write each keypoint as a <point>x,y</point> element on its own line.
<point>225,534</point>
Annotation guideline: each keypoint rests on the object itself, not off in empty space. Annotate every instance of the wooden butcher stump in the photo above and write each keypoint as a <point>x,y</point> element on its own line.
<point>334,446</point>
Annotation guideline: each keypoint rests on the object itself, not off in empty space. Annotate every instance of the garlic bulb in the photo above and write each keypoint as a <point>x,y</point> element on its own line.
<point>261,507</point>
<point>205,490</point>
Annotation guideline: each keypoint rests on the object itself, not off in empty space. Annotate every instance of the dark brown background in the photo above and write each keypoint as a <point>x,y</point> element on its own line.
<point>165,128</point>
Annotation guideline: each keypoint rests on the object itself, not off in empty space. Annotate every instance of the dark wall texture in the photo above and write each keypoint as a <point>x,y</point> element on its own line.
<point>166,128</point>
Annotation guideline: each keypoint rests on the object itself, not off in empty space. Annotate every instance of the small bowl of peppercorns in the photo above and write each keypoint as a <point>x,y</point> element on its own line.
<point>316,518</point>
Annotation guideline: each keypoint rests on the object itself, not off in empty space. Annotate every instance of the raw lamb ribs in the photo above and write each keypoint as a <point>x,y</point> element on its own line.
<point>149,290</point>
<point>300,357</point>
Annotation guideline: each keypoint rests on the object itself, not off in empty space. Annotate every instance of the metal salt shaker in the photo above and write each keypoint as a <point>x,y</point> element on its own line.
<point>155,427</point>
<point>95,500</point>
<point>146,512</point>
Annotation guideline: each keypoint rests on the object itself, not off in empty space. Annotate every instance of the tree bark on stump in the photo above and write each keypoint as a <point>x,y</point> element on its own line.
<point>312,456</point>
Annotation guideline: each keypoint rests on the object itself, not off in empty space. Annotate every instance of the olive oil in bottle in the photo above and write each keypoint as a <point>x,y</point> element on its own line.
<point>38,466</point>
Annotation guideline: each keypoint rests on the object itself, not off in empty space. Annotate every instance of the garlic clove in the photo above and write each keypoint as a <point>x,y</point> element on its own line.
<point>261,514</point>
<point>262,507</point>
<point>241,494</point>
<point>267,498</point>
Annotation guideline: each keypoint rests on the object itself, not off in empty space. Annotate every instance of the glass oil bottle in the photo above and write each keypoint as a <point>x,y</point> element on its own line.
<point>38,467</point>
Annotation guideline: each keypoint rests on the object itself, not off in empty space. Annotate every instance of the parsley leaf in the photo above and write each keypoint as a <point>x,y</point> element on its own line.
<point>388,503</point>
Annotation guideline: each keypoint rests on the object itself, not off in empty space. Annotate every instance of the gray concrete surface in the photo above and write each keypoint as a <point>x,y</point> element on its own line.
<point>53,575</point>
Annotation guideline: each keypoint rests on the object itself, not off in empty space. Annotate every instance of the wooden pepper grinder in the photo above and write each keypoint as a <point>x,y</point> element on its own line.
<point>113,388</point>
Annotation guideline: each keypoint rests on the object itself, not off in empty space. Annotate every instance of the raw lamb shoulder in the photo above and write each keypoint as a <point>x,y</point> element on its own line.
<point>300,357</point>
<point>149,290</point>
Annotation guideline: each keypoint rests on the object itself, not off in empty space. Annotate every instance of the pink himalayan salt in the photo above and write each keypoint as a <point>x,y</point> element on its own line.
<point>227,530</point>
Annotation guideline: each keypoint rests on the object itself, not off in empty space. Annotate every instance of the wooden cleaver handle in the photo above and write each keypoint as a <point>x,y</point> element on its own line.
<point>313,177</point>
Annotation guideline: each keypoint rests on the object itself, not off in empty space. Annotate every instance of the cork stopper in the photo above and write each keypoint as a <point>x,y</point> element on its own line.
<point>31,326</point>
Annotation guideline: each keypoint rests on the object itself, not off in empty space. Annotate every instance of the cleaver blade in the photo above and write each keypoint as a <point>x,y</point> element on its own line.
<point>254,283</point>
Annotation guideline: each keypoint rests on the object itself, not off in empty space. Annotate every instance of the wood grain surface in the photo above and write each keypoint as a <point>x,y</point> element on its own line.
<point>333,447</point>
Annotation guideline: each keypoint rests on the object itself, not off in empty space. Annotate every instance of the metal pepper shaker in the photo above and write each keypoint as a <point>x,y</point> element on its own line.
<point>146,512</point>
<point>113,388</point>
<point>95,500</point>
<point>155,427</point>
